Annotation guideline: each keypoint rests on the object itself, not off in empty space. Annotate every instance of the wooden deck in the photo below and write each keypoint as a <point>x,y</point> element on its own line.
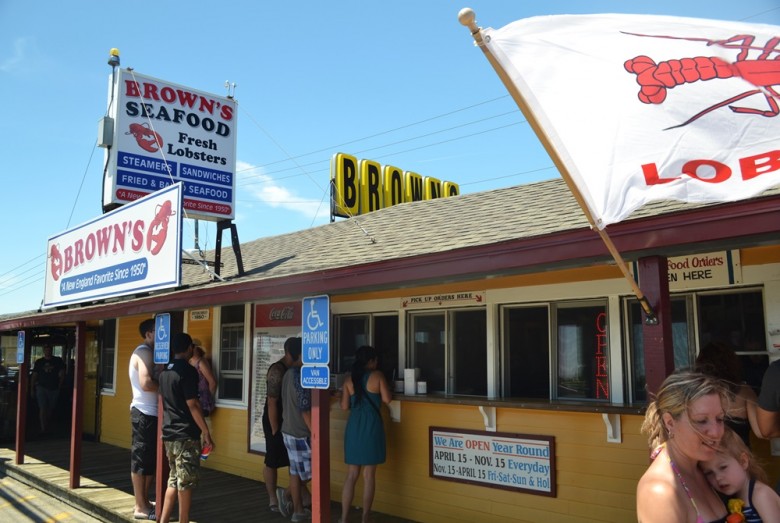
<point>106,492</point>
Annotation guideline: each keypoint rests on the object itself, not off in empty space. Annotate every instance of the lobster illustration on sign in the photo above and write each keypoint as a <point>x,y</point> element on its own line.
<point>763,71</point>
<point>148,139</point>
<point>56,262</point>
<point>158,228</point>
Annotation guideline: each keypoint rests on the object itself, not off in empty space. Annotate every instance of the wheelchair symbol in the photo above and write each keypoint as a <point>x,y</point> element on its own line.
<point>313,320</point>
<point>161,332</point>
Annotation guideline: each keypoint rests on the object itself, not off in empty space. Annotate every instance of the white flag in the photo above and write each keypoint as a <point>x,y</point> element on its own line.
<point>643,108</point>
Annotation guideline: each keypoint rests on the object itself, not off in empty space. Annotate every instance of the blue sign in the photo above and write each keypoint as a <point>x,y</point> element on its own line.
<point>162,338</point>
<point>315,376</point>
<point>20,347</point>
<point>316,330</point>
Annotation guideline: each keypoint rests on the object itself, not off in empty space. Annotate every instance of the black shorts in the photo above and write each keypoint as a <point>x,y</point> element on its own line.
<point>143,451</point>
<point>275,451</point>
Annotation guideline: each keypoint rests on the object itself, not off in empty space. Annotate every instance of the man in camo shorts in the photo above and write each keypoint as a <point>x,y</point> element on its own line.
<point>183,424</point>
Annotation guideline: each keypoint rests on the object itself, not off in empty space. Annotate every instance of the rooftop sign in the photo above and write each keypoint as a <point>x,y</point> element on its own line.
<point>165,133</point>
<point>363,186</point>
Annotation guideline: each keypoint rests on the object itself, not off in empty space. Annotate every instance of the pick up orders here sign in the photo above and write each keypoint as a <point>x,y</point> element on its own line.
<point>166,133</point>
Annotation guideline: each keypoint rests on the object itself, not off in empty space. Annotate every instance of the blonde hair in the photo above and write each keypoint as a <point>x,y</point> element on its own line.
<point>675,396</point>
<point>732,445</point>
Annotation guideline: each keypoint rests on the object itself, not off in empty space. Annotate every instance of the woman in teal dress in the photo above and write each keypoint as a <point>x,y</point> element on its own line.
<point>365,389</point>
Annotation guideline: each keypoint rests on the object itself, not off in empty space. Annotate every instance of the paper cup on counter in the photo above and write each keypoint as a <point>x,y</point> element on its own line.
<point>410,382</point>
<point>398,386</point>
<point>422,387</point>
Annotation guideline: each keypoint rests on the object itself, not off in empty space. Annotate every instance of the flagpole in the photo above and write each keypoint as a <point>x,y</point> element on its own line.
<point>467,17</point>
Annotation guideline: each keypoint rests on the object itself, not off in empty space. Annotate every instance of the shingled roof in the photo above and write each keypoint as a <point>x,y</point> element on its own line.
<point>420,228</point>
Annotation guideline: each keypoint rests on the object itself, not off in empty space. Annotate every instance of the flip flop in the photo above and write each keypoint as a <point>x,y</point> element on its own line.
<point>151,516</point>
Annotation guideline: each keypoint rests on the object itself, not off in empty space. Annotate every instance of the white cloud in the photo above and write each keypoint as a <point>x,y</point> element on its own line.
<point>14,63</point>
<point>253,185</point>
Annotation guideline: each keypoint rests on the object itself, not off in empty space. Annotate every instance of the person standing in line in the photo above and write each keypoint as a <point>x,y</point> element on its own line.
<point>207,384</point>
<point>183,427</point>
<point>720,360</point>
<point>143,419</point>
<point>684,425</point>
<point>364,391</point>
<point>296,432</point>
<point>48,375</point>
<point>768,410</point>
<point>275,451</point>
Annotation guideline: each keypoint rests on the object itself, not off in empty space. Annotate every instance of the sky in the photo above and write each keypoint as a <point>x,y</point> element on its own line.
<point>399,82</point>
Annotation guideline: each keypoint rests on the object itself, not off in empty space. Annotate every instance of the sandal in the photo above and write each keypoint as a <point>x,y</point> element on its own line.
<point>273,508</point>
<point>151,516</point>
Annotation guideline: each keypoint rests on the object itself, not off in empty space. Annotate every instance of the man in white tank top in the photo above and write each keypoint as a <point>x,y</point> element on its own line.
<point>143,418</point>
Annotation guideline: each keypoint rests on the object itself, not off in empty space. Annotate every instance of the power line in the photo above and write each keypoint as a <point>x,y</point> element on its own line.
<point>759,14</point>
<point>418,137</point>
<point>20,266</point>
<point>381,133</point>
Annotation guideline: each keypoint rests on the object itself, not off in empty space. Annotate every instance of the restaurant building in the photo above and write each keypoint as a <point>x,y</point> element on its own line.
<point>534,360</point>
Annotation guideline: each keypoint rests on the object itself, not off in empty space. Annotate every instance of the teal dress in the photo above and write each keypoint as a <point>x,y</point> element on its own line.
<point>364,438</point>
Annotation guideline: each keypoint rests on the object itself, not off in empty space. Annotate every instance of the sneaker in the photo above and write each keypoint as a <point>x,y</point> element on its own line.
<point>285,507</point>
<point>303,516</point>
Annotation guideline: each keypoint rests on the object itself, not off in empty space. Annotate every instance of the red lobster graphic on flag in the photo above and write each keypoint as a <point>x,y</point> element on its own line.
<point>763,72</point>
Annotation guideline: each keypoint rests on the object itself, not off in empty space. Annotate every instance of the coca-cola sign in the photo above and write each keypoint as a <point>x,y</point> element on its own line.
<point>284,314</point>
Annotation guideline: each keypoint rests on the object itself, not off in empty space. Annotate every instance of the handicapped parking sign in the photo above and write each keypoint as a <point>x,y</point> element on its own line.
<point>20,347</point>
<point>315,376</point>
<point>162,338</point>
<point>315,330</point>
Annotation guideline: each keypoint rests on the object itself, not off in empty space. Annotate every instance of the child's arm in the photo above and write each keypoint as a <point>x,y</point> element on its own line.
<point>766,502</point>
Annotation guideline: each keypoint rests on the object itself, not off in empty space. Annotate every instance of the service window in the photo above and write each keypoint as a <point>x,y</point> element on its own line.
<point>450,349</point>
<point>737,317</point>
<point>682,336</point>
<point>526,352</point>
<point>377,330</point>
<point>582,351</point>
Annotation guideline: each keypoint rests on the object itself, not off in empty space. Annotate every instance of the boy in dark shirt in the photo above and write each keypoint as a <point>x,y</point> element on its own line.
<point>183,423</point>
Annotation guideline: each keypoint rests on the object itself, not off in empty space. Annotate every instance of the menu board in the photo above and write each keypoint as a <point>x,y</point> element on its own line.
<point>521,462</point>
<point>266,350</point>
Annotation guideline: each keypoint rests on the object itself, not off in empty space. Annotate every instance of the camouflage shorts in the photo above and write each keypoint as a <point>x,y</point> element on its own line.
<point>184,461</point>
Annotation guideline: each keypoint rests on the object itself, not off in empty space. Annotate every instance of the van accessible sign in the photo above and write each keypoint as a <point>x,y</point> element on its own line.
<point>165,133</point>
<point>135,248</point>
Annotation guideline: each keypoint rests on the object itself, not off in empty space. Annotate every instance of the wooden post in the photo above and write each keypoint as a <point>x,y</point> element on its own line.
<point>658,348</point>
<point>77,413</point>
<point>320,455</point>
<point>21,398</point>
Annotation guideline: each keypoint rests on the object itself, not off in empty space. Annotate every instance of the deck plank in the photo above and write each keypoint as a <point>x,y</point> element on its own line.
<point>106,490</point>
